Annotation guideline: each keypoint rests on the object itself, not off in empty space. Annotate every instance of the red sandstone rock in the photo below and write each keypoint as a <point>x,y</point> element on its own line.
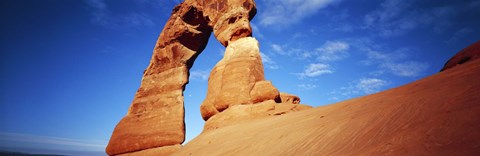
<point>239,113</point>
<point>160,151</point>
<point>237,79</point>
<point>289,98</point>
<point>156,116</point>
<point>284,108</point>
<point>230,19</point>
<point>470,53</point>
<point>154,124</point>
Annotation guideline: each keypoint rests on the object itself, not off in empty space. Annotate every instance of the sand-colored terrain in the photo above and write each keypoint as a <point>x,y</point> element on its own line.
<point>437,115</point>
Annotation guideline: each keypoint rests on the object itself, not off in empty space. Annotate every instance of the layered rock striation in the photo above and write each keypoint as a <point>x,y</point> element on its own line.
<point>237,79</point>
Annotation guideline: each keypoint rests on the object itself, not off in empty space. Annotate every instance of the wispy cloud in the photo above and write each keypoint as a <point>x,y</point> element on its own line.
<point>282,13</point>
<point>306,86</point>
<point>199,75</point>
<point>363,86</point>
<point>398,62</point>
<point>332,51</point>
<point>322,56</point>
<point>327,52</point>
<point>370,85</point>
<point>102,15</point>
<point>278,49</point>
<point>315,69</point>
<point>459,34</point>
<point>93,145</point>
<point>398,17</point>
<point>406,69</point>
<point>256,30</point>
<point>474,4</point>
<point>269,62</point>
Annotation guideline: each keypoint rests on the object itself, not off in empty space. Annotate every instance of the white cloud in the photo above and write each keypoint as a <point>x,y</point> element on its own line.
<point>199,75</point>
<point>315,69</point>
<point>406,69</point>
<point>370,85</point>
<point>359,87</point>
<point>278,49</point>
<point>267,61</point>
<point>328,51</point>
<point>283,13</point>
<point>306,86</point>
<point>332,51</point>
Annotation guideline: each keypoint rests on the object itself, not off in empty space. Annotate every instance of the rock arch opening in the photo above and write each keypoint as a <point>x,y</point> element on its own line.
<point>196,89</point>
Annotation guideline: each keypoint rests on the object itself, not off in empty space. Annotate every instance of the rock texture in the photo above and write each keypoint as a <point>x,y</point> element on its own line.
<point>237,114</point>
<point>230,19</point>
<point>238,91</point>
<point>237,79</point>
<point>154,124</point>
<point>470,53</point>
<point>156,115</point>
<point>437,115</point>
<point>289,98</point>
<point>165,150</point>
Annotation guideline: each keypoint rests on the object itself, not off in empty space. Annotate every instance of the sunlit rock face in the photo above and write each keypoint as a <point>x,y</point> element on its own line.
<point>154,124</point>
<point>237,79</point>
<point>156,116</point>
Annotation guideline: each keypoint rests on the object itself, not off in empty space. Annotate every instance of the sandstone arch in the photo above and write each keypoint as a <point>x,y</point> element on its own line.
<point>154,123</point>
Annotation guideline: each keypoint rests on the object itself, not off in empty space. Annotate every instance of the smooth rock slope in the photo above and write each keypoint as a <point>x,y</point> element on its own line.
<point>437,115</point>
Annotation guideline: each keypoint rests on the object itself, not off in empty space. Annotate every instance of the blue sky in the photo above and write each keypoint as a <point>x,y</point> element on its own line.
<point>71,68</point>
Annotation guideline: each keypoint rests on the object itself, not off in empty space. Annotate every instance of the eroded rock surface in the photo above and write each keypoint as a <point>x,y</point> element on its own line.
<point>244,113</point>
<point>238,79</point>
<point>156,115</point>
<point>289,98</point>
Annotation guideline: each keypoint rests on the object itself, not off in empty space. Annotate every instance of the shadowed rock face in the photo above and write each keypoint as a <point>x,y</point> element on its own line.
<point>154,124</point>
<point>470,53</point>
